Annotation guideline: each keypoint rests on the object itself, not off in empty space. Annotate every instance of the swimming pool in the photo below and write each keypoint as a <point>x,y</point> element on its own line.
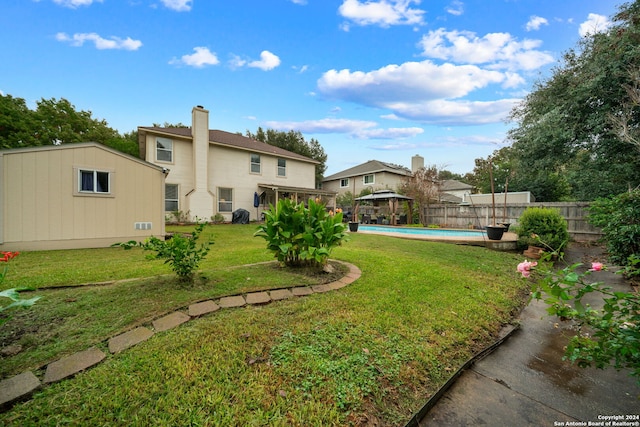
<point>429,232</point>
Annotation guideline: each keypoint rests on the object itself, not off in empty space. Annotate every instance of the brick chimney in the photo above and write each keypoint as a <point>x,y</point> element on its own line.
<point>201,201</point>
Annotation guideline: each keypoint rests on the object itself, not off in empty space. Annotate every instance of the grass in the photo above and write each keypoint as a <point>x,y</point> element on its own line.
<point>371,352</point>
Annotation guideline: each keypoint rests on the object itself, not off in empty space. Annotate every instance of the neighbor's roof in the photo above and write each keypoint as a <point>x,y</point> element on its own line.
<point>372,166</point>
<point>452,184</point>
<point>229,139</point>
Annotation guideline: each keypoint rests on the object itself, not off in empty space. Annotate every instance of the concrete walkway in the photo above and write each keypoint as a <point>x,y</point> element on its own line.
<point>21,387</point>
<point>525,382</point>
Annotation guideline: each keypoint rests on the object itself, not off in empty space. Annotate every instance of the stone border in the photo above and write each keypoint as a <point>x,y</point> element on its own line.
<point>22,386</point>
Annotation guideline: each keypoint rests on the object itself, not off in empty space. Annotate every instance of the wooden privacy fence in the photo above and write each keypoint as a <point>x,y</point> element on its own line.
<point>478,216</point>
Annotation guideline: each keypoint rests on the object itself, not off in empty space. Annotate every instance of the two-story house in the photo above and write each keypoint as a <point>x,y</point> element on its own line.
<point>213,172</point>
<point>373,175</point>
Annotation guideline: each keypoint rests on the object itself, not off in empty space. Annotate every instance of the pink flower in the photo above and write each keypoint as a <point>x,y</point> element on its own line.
<point>525,267</point>
<point>596,266</point>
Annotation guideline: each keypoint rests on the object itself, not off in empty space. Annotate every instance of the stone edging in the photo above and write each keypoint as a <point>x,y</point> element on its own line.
<point>21,386</point>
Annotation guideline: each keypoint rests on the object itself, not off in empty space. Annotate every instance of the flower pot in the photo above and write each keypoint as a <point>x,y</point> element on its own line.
<point>495,232</point>
<point>533,252</point>
<point>353,226</point>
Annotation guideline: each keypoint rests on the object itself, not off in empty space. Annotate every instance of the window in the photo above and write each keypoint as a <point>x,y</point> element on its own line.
<point>164,150</point>
<point>369,179</point>
<point>225,199</point>
<point>91,181</point>
<point>282,167</point>
<point>344,182</point>
<point>171,197</point>
<point>255,163</point>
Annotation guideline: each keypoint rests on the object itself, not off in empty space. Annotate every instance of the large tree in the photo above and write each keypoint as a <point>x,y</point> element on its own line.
<point>56,122</point>
<point>567,143</point>
<point>424,187</point>
<point>295,142</point>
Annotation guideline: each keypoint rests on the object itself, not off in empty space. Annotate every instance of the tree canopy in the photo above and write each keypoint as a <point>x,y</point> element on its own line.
<point>55,122</point>
<point>569,142</point>
<point>294,141</point>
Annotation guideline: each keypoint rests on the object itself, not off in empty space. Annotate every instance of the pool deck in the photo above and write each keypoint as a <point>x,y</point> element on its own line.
<point>507,243</point>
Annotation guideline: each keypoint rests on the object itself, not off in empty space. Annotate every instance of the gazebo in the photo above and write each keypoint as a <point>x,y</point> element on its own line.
<point>388,196</point>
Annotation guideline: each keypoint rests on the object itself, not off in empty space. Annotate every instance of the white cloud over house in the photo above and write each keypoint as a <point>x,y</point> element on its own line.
<point>383,13</point>
<point>535,22</point>
<point>113,42</point>
<point>75,3</point>
<point>594,24</point>
<point>201,57</point>
<point>177,5</point>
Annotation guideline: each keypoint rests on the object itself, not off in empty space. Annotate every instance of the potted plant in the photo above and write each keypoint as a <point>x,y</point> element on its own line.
<point>494,231</point>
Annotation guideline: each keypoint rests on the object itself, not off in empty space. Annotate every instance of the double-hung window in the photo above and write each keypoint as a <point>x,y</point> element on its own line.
<point>282,167</point>
<point>369,179</point>
<point>225,199</point>
<point>93,181</point>
<point>164,150</point>
<point>255,163</point>
<point>344,182</point>
<point>171,197</point>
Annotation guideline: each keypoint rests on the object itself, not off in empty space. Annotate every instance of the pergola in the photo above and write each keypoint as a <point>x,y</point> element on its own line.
<point>297,194</point>
<point>388,196</point>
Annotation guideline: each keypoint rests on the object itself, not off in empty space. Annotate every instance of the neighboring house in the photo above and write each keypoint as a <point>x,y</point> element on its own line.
<point>83,195</point>
<point>373,175</point>
<point>452,191</point>
<point>215,172</point>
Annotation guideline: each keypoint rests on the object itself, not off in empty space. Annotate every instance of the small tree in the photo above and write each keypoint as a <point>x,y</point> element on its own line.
<point>181,252</point>
<point>424,187</point>
<point>301,236</point>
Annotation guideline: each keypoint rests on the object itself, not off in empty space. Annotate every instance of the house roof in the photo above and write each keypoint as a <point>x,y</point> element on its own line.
<point>77,146</point>
<point>234,140</point>
<point>372,166</point>
<point>452,185</point>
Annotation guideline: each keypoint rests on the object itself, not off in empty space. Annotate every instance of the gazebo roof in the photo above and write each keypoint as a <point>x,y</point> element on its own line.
<point>383,195</point>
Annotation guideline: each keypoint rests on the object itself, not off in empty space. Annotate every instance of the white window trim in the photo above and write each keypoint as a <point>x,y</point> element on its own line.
<point>77,190</point>
<point>177,200</point>
<point>346,185</point>
<point>364,179</point>
<point>171,151</point>
<point>251,163</point>
<point>278,168</point>
<point>220,200</point>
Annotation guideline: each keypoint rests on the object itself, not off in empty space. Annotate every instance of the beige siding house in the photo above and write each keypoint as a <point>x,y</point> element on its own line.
<point>77,196</point>
<point>215,172</point>
<point>373,175</point>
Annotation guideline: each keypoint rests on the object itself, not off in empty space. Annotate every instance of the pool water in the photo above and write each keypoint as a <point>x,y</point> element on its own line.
<point>434,232</point>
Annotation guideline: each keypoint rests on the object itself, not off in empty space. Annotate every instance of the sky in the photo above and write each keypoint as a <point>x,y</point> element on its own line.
<point>369,80</point>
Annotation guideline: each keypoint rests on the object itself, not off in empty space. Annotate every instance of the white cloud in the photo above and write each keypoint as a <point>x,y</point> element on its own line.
<point>382,12</point>
<point>78,39</point>
<point>75,3</point>
<point>415,81</point>
<point>424,91</point>
<point>268,61</point>
<point>300,2</point>
<point>177,5</point>
<point>594,24</point>
<point>455,8</point>
<point>535,22</point>
<point>500,50</point>
<point>359,129</point>
<point>200,58</point>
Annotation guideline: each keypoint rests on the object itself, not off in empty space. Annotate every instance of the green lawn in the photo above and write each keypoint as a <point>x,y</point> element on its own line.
<point>375,350</point>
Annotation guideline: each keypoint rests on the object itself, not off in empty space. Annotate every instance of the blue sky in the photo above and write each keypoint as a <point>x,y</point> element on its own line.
<point>377,79</point>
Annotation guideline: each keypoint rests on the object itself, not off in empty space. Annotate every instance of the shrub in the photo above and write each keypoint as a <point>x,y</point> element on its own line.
<point>301,236</point>
<point>619,219</point>
<point>543,225</point>
<point>181,252</point>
